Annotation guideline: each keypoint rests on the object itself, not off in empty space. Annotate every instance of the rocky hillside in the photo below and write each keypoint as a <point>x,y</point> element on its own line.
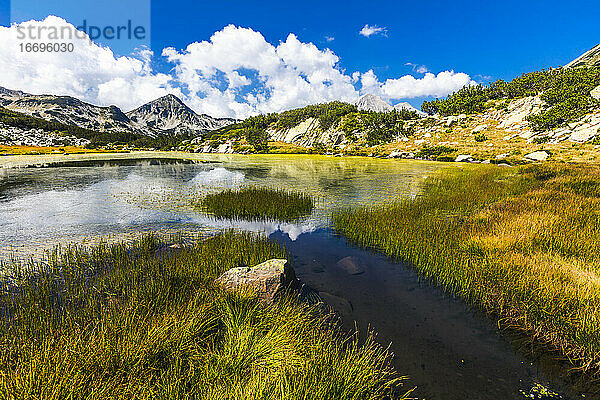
<point>66,110</point>
<point>331,124</point>
<point>553,113</point>
<point>165,116</point>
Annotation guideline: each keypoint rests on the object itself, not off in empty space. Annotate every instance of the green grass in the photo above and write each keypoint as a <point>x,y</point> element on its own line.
<point>138,322</point>
<point>258,203</point>
<point>523,244</point>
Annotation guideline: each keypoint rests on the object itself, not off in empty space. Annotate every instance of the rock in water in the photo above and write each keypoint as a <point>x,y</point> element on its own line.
<point>340,305</point>
<point>351,265</point>
<point>268,279</point>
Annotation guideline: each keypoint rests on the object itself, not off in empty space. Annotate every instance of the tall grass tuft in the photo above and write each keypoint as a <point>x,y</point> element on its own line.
<point>523,244</point>
<point>258,203</point>
<point>145,321</point>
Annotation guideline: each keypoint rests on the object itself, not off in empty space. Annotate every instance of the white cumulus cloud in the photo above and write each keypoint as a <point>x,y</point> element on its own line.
<point>235,73</point>
<point>368,30</point>
<point>288,75</point>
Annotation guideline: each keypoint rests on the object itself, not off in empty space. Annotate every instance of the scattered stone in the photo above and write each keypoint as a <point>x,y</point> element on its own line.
<point>464,158</point>
<point>268,279</point>
<point>351,265</point>
<point>538,156</point>
<point>596,93</point>
<point>479,128</point>
<point>502,156</point>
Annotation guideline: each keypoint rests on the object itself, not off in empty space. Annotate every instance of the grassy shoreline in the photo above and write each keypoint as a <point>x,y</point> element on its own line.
<point>146,321</point>
<point>522,243</point>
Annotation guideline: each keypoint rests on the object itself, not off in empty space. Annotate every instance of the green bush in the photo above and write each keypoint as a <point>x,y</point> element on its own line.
<point>434,152</point>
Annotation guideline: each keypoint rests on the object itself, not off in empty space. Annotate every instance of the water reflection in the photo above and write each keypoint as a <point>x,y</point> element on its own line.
<point>42,207</point>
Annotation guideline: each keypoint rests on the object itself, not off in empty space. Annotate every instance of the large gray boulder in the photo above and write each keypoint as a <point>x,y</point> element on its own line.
<point>267,279</point>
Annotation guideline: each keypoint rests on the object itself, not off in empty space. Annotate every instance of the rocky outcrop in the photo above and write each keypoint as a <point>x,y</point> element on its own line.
<point>595,93</point>
<point>307,134</point>
<point>590,58</point>
<point>268,279</point>
<point>518,110</point>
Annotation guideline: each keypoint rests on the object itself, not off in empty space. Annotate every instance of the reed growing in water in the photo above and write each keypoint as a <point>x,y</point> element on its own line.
<point>523,244</point>
<point>145,321</point>
<point>258,204</point>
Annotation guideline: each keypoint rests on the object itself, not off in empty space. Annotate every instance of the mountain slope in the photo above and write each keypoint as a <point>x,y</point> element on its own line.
<point>66,110</point>
<point>590,58</point>
<point>407,107</point>
<point>169,115</point>
<point>371,102</point>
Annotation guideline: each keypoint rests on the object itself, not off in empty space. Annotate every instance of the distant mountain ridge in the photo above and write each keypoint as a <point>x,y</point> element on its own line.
<point>372,102</point>
<point>167,115</point>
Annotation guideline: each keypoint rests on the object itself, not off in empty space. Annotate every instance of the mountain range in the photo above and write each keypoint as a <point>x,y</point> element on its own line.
<point>167,115</point>
<point>372,102</point>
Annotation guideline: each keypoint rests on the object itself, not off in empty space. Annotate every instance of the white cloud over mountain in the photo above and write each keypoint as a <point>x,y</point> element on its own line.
<point>235,73</point>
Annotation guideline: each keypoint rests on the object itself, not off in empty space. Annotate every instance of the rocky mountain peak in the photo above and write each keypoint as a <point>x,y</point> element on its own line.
<point>372,102</point>
<point>169,114</point>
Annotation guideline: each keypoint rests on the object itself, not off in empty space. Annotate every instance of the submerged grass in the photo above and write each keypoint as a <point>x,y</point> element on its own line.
<point>523,244</point>
<point>258,203</point>
<point>144,321</point>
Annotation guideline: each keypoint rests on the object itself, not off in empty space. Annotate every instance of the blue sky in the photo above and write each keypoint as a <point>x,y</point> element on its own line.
<point>500,39</point>
<point>482,41</point>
